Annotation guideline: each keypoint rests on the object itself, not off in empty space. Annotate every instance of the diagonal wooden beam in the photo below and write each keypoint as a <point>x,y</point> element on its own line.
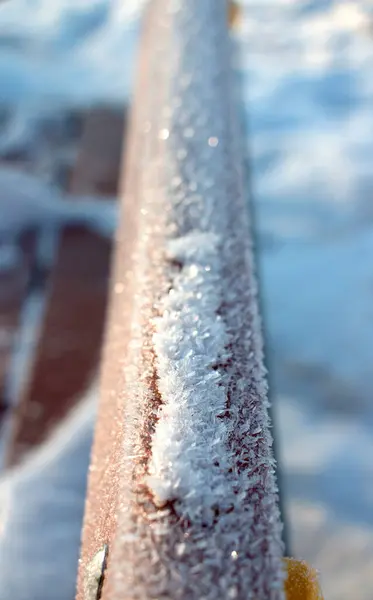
<point>182,500</point>
<point>70,341</point>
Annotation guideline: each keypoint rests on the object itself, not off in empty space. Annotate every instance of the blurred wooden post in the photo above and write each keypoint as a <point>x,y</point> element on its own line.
<point>70,342</point>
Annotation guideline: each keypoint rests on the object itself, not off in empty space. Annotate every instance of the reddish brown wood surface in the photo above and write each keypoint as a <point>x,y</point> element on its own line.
<point>70,341</point>
<point>103,496</point>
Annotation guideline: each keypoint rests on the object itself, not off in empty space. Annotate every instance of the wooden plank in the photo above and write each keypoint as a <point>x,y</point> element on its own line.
<point>182,500</point>
<point>70,341</point>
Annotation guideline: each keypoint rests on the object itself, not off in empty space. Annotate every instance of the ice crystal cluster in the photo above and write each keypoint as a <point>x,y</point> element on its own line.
<point>189,445</point>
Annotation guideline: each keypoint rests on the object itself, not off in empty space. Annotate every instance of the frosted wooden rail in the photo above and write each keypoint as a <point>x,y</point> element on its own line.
<point>182,499</point>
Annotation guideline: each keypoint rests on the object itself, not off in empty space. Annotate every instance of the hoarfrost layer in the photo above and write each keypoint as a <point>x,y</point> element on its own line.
<point>189,451</point>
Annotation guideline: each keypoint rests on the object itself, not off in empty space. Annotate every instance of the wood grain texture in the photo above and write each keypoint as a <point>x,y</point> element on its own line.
<point>183,177</point>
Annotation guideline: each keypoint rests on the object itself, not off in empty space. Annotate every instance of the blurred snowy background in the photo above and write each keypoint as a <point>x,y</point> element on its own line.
<point>307,69</point>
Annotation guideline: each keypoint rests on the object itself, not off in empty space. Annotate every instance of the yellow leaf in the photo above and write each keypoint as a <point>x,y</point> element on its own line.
<point>234,13</point>
<point>302,582</point>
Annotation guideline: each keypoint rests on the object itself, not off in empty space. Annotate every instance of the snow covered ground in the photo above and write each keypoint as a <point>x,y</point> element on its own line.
<point>308,82</point>
<point>307,70</point>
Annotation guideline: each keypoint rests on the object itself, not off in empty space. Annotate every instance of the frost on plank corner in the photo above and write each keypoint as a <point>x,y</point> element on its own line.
<point>190,462</point>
